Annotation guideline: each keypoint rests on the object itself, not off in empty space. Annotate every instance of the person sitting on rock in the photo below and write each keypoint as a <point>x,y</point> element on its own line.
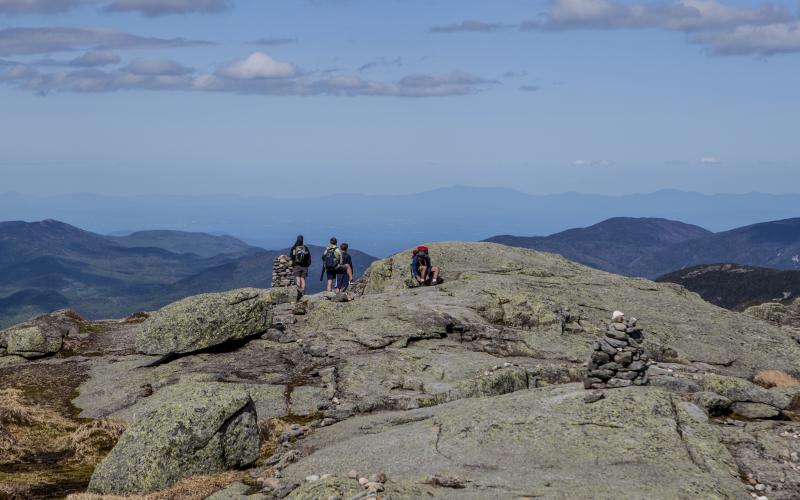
<point>331,263</point>
<point>421,269</point>
<point>344,278</point>
<point>301,261</point>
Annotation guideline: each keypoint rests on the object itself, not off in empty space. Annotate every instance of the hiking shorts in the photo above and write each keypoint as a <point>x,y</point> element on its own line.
<point>332,275</point>
<point>300,272</point>
<point>342,281</point>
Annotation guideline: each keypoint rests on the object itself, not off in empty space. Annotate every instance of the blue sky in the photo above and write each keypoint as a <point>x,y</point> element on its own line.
<point>309,97</point>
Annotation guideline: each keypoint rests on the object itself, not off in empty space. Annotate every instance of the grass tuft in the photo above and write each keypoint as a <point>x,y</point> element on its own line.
<point>776,379</point>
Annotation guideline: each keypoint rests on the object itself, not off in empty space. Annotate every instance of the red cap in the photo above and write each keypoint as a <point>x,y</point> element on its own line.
<point>422,248</point>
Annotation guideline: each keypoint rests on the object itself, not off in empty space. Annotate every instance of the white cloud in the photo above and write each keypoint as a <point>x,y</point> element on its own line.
<point>155,8</point>
<point>762,40</point>
<point>592,163</point>
<point>710,160</point>
<point>258,65</point>
<point>725,29</point>
<point>470,26</point>
<point>679,15</point>
<point>95,58</point>
<point>27,41</point>
<point>13,7</point>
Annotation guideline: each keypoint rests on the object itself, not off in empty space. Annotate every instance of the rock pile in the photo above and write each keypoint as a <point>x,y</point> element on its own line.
<point>618,359</point>
<point>282,272</point>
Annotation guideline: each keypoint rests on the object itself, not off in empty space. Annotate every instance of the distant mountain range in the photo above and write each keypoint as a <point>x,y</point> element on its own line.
<point>49,265</point>
<point>616,245</point>
<point>202,244</point>
<point>737,287</point>
<point>382,224</point>
<point>653,247</point>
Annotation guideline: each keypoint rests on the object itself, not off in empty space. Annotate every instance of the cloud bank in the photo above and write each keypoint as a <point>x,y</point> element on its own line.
<point>722,28</point>
<point>148,8</point>
<point>257,74</point>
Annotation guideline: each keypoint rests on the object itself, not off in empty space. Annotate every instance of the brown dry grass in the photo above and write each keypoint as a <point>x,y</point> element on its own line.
<point>270,432</point>
<point>14,492</point>
<point>26,428</point>
<point>92,441</point>
<point>191,488</point>
<point>29,429</point>
<point>775,379</point>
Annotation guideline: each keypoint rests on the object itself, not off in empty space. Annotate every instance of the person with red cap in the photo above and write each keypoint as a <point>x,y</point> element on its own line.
<point>421,269</point>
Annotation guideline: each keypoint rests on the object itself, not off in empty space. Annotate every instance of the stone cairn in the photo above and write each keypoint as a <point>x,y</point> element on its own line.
<point>282,272</point>
<point>618,359</point>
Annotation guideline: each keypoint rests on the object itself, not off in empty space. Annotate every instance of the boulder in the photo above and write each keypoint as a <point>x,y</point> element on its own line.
<point>775,312</point>
<point>41,336</point>
<point>237,491</point>
<point>208,429</point>
<point>755,410</point>
<point>208,320</point>
<point>743,391</point>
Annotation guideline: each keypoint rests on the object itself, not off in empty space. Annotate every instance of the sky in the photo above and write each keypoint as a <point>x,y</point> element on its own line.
<point>313,97</point>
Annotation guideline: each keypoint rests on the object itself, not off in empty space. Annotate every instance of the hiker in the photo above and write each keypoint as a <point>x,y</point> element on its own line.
<point>344,278</point>
<point>421,269</point>
<point>301,261</point>
<point>332,261</point>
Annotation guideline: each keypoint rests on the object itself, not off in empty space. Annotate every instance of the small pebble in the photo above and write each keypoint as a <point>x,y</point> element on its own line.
<point>363,481</point>
<point>353,474</point>
<point>760,487</point>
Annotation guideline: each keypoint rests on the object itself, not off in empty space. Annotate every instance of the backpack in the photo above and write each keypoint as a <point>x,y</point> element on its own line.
<point>329,260</point>
<point>302,256</point>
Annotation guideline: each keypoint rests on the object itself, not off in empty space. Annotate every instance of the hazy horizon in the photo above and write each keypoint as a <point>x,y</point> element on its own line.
<point>434,189</point>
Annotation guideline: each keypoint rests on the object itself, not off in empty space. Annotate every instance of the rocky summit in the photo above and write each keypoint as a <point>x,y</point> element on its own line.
<point>475,388</point>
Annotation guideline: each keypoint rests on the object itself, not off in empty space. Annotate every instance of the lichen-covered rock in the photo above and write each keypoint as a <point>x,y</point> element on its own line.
<point>755,410</point>
<point>209,320</point>
<point>636,443</point>
<point>41,336</point>
<point>781,314</point>
<point>208,429</point>
<point>237,491</point>
<point>742,391</point>
<point>520,298</point>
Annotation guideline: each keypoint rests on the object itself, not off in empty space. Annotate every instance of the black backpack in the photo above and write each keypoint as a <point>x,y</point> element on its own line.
<point>329,259</point>
<point>302,256</point>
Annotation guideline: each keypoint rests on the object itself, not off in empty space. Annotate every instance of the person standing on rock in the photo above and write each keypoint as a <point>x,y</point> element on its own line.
<point>301,261</point>
<point>331,263</point>
<point>345,276</point>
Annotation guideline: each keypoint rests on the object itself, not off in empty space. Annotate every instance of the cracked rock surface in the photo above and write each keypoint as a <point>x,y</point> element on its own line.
<point>468,389</point>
